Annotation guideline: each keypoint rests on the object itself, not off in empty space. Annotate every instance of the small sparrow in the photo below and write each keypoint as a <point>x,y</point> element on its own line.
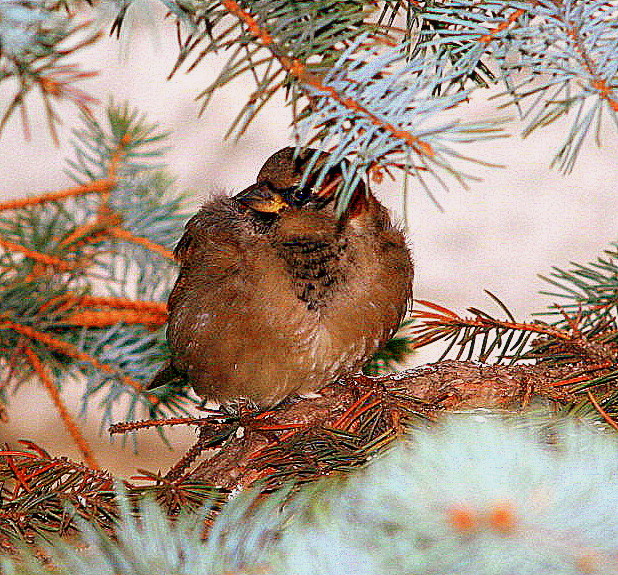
<point>277,293</point>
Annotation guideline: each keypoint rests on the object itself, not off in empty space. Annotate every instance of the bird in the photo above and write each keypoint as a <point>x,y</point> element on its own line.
<point>279,294</point>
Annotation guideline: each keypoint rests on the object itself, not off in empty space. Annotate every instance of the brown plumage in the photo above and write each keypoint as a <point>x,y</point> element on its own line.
<point>276,294</point>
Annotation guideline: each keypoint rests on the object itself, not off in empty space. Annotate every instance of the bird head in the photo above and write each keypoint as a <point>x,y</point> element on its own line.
<point>280,184</point>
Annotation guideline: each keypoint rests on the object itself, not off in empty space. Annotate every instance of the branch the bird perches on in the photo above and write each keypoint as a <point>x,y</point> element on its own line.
<point>350,420</point>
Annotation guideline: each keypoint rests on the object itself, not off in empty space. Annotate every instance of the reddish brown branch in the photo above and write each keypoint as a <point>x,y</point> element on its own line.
<point>66,417</point>
<point>297,69</point>
<point>268,449</point>
<point>95,187</point>
<point>103,318</point>
<point>127,426</point>
<point>123,234</point>
<point>603,413</point>
<point>513,17</point>
<point>36,256</point>
<point>68,349</point>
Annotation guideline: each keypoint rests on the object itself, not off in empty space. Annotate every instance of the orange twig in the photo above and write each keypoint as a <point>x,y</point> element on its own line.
<point>103,222</point>
<point>443,310</point>
<point>298,69</point>
<point>69,350</point>
<point>69,422</point>
<point>36,448</point>
<point>584,376</point>
<point>92,238</point>
<point>97,186</point>
<point>102,318</point>
<point>37,256</point>
<point>598,83</point>
<point>116,156</point>
<point>576,379</point>
<point>43,469</point>
<point>350,411</point>
<point>154,307</point>
<point>114,161</point>
<point>367,407</point>
<point>446,318</point>
<point>9,453</point>
<point>123,234</point>
<point>263,35</point>
<point>20,476</point>
<point>278,427</point>
<point>605,91</point>
<point>603,413</point>
<point>486,38</point>
<point>280,439</point>
<point>127,426</point>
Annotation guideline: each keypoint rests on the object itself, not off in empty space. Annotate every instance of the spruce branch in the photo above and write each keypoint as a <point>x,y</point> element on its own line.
<point>36,488</point>
<point>36,39</point>
<point>84,272</point>
<point>438,323</point>
<point>581,333</point>
<point>588,292</point>
<point>372,109</point>
<point>351,421</point>
<point>554,59</point>
<point>593,363</point>
<point>360,96</point>
<point>67,419</point>
<point>42,495</point>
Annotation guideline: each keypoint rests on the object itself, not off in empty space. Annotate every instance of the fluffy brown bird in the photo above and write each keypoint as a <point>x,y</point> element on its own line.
<point>277,294</point>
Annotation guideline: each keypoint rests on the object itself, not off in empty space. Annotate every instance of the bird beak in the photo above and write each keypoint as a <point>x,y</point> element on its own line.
<point>261,198</point>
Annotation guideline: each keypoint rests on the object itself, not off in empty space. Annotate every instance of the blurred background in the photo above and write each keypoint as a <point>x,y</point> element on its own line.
<point>515,223</point>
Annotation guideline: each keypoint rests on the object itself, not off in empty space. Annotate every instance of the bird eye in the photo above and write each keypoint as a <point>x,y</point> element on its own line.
<point>301,195</point>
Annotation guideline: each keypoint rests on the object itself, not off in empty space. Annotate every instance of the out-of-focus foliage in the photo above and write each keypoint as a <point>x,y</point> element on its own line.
<point>473,496</point>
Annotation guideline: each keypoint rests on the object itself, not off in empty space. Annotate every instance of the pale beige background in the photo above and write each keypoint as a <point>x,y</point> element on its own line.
<point>516,223</point>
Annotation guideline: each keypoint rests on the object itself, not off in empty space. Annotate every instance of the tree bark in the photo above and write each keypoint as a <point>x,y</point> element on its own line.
<point>280,445</point>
